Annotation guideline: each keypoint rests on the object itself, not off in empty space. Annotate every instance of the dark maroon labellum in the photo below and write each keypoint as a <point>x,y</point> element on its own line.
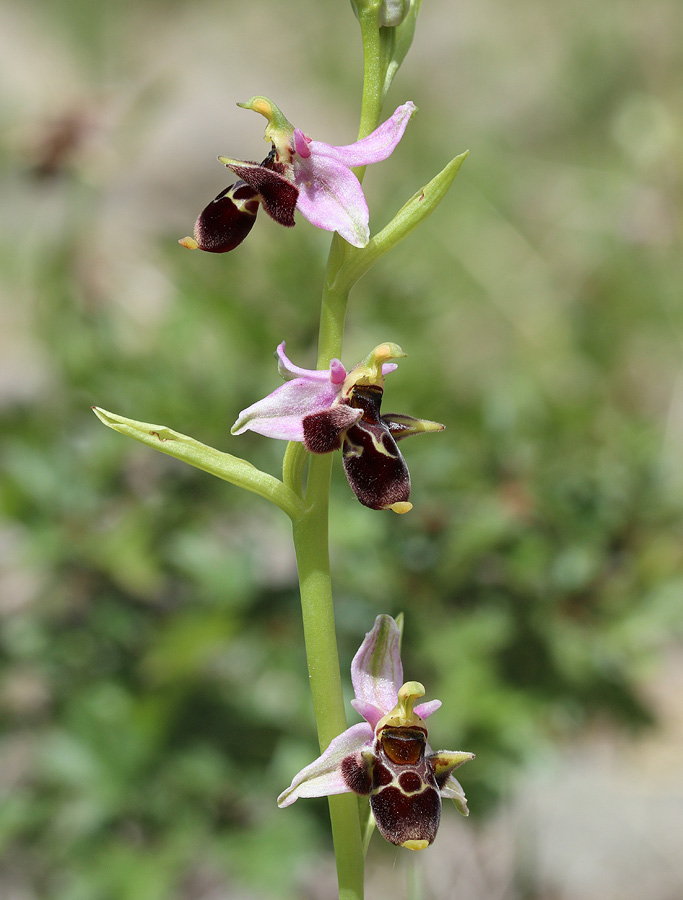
<point>404,794</point>
<point>223,225</point>
<point>373,463</point>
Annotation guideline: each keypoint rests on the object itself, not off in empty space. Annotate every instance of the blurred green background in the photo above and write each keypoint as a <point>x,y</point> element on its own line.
<point>153,696</point>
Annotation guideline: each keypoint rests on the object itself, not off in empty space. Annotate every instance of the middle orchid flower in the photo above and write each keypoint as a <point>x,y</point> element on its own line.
<point>330,409</point>
<point>298,173</point>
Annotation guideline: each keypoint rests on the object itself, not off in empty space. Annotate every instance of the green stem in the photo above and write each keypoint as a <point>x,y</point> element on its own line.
<point>310,529</point>
<point>313,561</point>
<point>374,71</point>
<point>335,299</point>
<point>311,544</point>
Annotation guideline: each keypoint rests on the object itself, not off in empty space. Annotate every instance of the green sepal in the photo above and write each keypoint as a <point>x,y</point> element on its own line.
<point>229,468</point>
<point>399,619</point>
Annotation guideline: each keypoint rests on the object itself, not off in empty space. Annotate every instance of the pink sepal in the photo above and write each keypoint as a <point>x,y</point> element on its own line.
<point>323,776</point>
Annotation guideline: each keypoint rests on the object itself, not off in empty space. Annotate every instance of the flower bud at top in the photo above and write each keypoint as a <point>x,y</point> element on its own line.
<point>393,12</point>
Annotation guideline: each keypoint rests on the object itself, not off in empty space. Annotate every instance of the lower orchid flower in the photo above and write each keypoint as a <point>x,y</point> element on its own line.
<point>298,173</point>
<point>331,409</point>
<point>387,757</point>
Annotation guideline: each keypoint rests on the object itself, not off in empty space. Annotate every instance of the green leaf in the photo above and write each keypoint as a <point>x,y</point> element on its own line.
<point>406,220</point>
<point>223,465</point>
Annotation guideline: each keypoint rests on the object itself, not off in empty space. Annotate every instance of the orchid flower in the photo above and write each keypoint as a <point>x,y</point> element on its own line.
<point>330,409</point>
<point>387,757</point>
<point>298,173</point>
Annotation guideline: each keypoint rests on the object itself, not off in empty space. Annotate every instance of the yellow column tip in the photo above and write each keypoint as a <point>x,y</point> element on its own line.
<point>415,845</point>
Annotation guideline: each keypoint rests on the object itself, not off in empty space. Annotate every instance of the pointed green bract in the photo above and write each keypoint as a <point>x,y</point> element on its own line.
<point>223,465</point>
<point>413,213</point>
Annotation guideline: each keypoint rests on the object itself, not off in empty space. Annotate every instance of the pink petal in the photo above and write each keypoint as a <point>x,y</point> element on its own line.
<point>288,370</point>
<point>373,148</point>
<point>337,372</point>
<point>301,143</point>
<point>371,713</point>
<point>330,197</point>
<point>425,710</point>
<point>376,670</point>
<point>322,777</point>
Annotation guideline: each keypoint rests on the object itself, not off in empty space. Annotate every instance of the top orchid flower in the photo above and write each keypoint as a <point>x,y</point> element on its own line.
<point>387,757</point>
<point>298,173</point>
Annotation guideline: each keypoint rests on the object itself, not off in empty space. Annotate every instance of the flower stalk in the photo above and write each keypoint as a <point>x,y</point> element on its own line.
<point>319,181</point>
<point>310,533</point>
<point>311,545</point>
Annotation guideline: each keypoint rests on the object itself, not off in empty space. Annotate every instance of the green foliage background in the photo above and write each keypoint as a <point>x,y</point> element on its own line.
<point>153,689</point>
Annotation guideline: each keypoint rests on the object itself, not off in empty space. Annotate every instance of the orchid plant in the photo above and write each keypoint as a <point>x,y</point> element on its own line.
<point>386,758</point>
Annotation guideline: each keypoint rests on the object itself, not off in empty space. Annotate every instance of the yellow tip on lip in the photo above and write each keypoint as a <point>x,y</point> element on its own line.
<point>415,845</point>
<point>188,242</point>
<point>401,507</point>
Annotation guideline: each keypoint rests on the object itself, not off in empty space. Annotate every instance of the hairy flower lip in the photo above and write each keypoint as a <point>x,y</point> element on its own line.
<point>387,757</point>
